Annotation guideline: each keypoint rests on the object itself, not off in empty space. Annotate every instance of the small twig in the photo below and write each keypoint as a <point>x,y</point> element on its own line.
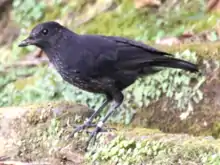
<point>26,63</point>
<point>3,158</point>
<point>20,64</point>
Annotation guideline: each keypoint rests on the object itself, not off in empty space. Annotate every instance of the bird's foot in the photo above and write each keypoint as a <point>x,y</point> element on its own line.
<point>106,129</point>
<point>95,132</point>
<point>79,128</point>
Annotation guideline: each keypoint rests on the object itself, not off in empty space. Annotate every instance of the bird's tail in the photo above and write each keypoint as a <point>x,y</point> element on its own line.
<point>175,63</point>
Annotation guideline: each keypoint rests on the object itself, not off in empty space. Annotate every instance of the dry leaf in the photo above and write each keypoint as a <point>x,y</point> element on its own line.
<point>143,3</point>
<point>213,5</point>
<point>168,41</point>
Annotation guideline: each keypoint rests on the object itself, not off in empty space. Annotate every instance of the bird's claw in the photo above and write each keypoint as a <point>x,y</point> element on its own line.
<point>93,135</point>
<point>83,126</point>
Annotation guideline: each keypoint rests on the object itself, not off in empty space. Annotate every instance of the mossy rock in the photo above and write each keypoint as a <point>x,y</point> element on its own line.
<point>38,134</point>
<point>204,51</point>
<point>133,147</point>
<point>33,132</point>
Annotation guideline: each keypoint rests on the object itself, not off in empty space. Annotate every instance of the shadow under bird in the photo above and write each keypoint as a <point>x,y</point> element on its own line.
<point>99,64</point>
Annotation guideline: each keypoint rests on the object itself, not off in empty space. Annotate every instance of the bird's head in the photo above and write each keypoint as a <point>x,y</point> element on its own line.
<point>43,35</point>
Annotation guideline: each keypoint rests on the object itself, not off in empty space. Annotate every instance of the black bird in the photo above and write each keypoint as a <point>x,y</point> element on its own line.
<point>99,64</point>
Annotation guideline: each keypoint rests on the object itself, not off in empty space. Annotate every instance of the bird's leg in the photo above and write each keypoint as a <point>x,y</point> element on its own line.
<point>88,122</point>
<point>100,124</point>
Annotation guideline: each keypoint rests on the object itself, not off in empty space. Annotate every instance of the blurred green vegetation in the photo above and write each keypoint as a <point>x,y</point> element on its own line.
<point>26,12</point>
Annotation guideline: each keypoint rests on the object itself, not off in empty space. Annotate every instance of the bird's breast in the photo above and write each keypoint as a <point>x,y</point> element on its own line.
<point>58,64</point>
<point>71,73</point>
<point>89,85</point>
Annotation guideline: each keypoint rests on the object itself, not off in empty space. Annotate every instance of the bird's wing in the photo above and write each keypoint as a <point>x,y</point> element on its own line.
<point>95,56</point>
<point>135,44</point>
<point>108,55</point>
<point>133,54</point>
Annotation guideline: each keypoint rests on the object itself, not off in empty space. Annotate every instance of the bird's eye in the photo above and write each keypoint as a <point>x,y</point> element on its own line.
<point>44,31</point>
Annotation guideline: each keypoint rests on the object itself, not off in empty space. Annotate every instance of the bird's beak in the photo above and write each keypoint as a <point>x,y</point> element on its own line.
<point>26,42</point>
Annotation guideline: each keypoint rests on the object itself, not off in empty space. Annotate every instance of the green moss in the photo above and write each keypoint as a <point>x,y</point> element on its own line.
<point>113,23</point>
<point>204,51</point>
<point>203,22</point>
<point>216,130</point>
<point>145,25</point>
<point>153,149</point>
<point>46,111</point>
<point>42,130</point>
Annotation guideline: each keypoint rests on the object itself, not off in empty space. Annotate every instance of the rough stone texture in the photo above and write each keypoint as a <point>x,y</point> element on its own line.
<point>26,133</point>
<point>37,133</point>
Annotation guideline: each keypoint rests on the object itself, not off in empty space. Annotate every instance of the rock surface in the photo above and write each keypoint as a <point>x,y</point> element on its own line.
<point>37,133</point>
